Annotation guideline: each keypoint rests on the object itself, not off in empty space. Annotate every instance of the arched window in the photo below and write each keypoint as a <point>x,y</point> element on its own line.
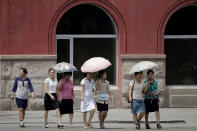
<point>181,47</point>
<point>87,31</point>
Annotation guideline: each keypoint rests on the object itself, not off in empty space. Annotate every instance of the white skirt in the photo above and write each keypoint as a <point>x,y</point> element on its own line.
<point>87,104</point>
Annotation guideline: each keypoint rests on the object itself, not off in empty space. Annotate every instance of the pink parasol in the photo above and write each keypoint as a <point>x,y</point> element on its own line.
<point>95,64</point>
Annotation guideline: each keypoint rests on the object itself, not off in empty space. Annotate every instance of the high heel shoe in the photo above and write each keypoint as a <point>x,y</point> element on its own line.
<point>147,126</point>
<point>137,126</point>
<point>46,126</point>
<point>90,125</point>
<point>159,126</point>
<point>60,126</point>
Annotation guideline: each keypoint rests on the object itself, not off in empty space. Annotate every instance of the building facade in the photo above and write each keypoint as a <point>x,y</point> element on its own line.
<point>37,34</point>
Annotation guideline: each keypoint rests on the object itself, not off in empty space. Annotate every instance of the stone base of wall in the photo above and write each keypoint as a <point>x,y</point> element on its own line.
<point>38,70</point>
<point>37,66</point>
<point>128,61</point>
<point>182,96</point>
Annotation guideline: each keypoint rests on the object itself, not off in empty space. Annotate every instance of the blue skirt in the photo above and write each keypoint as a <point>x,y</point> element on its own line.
<point>21,103</point>
<point>137,106</point>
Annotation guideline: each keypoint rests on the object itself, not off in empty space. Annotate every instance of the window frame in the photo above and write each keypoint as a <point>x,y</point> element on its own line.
<point>180,37</point>
<point>71,37</point>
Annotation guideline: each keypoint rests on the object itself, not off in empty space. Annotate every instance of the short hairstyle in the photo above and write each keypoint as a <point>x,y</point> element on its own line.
<point>68,73</point>
<point>50,69</point>
<point>84,74</point>
<point>150,71</point>
<point>24,70</point>
<point>136,73</point>
<point>100,73</point>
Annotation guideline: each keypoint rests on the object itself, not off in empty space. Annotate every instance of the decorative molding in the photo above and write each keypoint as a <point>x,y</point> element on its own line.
<point>143,56</point>
<point>27,57</point>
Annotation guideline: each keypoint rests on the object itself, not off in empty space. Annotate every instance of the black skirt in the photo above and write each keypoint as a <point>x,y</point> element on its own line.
<point>50,104</point>
<point>102,107</point>
<point>151,105</point>
<point>66,106</point>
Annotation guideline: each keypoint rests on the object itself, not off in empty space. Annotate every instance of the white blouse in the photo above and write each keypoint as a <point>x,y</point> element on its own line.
<point>89,86</point>
<point>52,84</point>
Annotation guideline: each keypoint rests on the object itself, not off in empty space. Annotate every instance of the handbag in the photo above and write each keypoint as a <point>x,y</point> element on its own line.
<point>132,91</point>
<point>103,97</point>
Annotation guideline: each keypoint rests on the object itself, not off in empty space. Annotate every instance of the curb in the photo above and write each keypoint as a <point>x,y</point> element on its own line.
<point>112,122</point>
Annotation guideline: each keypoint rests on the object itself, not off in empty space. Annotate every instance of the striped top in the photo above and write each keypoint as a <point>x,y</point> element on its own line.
<point>21,88</point>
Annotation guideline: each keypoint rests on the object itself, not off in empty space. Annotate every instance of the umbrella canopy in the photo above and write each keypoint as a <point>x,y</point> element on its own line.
<point>142,66</point>
<point>95,64</point>
<point>64,67</point>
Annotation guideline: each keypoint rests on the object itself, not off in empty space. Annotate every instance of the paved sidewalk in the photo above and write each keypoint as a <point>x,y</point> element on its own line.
<point>173,119</point>
<point>168,115</point>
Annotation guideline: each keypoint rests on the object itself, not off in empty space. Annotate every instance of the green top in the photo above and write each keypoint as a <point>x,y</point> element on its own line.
<point>151,88</point>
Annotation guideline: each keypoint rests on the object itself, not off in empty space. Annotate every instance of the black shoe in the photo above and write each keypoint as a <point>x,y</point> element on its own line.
<point>137,126</point>
<point>147,126</point>
<point>60,126</point>
<point>159,126</point>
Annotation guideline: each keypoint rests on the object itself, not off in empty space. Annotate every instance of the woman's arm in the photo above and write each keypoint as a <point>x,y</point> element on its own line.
<point>109,92</point>
<point>82,92</point>
<point>60,85</point>
<point>130,92</point>
<point>31,89</point>
<point>12,95</point>
<point>145,89</point>
<point>47,91</point>
<point>58,92</point>
<point>96,86</point>
<point>13,90</point>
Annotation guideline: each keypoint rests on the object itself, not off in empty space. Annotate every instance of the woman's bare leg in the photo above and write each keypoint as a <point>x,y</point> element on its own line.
<point>157,117</point>
<point>84,119</point>
<point>140,117</point>
<point>58,116</point>
<point>104,115</point>
<point>146,117</point>
<point>135,119</point>
<point>45,117</point>
<point>91,115</point>
<point>21,114</point>
<point>100,115</point>
<point>70,119</point>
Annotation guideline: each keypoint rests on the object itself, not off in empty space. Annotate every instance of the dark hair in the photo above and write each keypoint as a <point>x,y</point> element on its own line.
<point>50,69</point>
<point>150,71</point>
<point>84,74</point>
<point>100,73</point>
<point>136,73</point>
<point>24,70</point>
<point>68,73</point>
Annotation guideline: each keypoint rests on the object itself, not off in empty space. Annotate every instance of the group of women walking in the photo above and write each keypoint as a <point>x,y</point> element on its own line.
<point>59,96</point>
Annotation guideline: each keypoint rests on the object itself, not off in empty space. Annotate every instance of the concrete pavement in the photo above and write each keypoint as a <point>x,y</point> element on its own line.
<point>119,119</point>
